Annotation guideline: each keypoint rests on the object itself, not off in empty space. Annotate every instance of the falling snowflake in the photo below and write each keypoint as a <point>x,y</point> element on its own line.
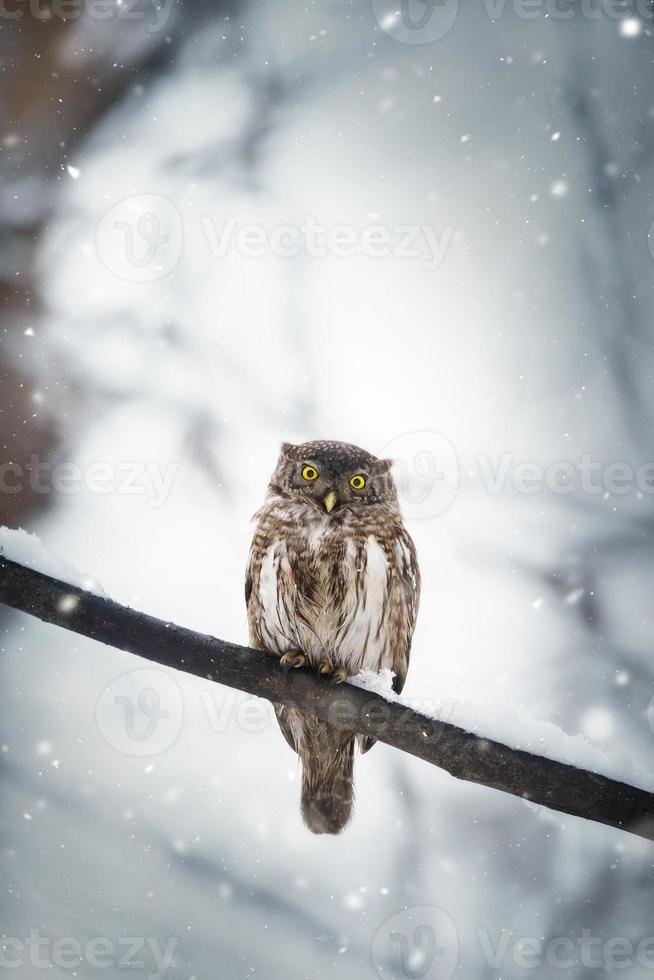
<point>631,26</point>
<point>559,188</point>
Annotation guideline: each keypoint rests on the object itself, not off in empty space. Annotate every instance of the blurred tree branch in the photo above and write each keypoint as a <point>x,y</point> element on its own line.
<point>466,756</point>
<point>56,86</point>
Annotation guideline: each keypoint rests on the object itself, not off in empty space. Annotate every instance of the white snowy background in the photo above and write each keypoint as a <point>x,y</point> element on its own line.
<point>533,140</point>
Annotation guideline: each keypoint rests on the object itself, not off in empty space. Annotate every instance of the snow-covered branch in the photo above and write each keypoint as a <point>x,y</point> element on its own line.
<point>467,756</point>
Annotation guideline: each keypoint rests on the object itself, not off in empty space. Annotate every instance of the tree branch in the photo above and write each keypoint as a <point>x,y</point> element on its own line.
<point>464,755</point>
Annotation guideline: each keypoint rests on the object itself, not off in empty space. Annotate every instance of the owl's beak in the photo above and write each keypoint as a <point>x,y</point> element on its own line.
<point>329,500</point>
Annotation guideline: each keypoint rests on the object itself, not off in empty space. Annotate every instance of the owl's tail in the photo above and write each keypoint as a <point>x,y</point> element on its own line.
<point>327,784</point>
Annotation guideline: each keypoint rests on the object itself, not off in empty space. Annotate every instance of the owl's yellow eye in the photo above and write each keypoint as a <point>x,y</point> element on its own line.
<point>357,482</point>
<point>309,473</point>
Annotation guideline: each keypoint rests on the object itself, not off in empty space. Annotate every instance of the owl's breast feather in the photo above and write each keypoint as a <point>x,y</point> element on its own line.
<point>327,588</point>
<point>363,639</point>
<point>276,594</point>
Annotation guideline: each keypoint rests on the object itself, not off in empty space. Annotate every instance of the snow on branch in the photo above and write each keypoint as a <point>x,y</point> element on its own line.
<point>551,783</point>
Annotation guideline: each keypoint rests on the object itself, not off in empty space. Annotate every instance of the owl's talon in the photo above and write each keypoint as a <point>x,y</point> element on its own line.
<point>340,676</point>
<point>295,660</point>
<point>326,667</point>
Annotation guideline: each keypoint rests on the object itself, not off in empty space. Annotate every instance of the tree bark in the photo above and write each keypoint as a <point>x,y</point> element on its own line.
<point>466,756</point>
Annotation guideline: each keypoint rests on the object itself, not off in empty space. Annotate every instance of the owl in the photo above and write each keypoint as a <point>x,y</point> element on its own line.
<point>332,585</point>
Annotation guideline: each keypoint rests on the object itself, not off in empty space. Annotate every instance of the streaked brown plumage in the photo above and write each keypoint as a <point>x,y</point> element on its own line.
<point>332,584</point>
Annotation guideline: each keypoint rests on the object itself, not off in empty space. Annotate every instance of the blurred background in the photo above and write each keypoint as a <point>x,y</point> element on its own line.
<point>175,303</point>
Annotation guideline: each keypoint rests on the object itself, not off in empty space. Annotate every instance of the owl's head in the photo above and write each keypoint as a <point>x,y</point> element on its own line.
<point>334,476</point>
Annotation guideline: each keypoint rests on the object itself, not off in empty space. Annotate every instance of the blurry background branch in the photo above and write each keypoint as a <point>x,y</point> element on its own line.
<point>61,76</point>
<point>464,755</point>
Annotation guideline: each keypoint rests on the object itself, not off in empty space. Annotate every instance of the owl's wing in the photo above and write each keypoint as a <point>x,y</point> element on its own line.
<point>409,575</point>
<point>252,573</point>
<point>283,719</point>
<point>409,584</point>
